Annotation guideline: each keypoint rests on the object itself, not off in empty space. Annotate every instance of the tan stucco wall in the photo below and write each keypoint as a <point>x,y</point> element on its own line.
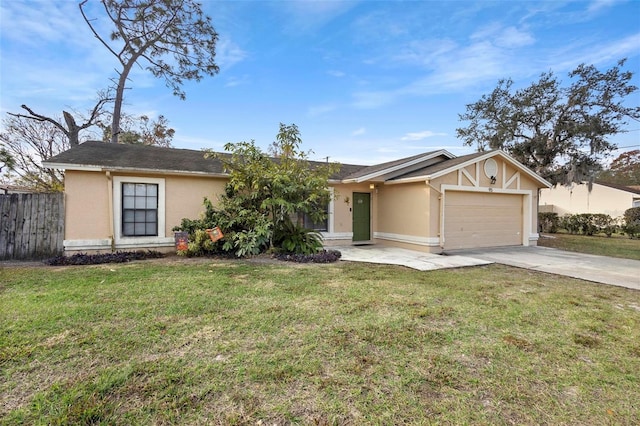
<point>404,209</point>
<point>577,199</point>
<point>185,196</point>
<point>87,207</point>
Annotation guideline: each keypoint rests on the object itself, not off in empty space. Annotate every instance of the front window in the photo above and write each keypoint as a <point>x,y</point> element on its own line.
<point>322,226</point>
<point>139,209</point>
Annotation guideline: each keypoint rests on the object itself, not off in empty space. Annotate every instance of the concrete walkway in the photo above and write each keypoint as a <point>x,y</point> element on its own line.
<point>409,258</point>
<point>600,269</point>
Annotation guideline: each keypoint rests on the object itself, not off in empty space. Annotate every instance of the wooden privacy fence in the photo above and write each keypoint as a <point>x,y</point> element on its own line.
<point>31,226</point>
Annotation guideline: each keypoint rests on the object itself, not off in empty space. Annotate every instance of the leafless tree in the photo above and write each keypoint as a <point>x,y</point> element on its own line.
<point>70,128</point>
<point>29,142</point>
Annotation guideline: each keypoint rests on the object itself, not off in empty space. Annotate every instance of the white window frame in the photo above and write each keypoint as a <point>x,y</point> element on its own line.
<point>124,242</point>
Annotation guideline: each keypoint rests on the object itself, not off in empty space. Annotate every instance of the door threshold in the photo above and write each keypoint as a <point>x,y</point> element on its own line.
<point>363,243</point>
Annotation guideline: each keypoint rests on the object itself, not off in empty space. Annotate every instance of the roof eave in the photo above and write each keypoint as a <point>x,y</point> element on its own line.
<point>94,168</point>
<point>425,178</point>
<point>383,172</point>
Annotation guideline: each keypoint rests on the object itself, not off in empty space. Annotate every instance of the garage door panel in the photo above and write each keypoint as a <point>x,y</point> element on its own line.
<point>481,199</point>
<point>482,220</point>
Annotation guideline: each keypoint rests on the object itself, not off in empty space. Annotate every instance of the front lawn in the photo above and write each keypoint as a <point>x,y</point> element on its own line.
<point>615,246</point>
<point>235,342</point>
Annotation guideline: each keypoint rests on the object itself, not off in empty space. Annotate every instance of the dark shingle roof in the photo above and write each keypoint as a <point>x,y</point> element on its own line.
<point>388,165</point>
<point>435,168</point>
<point>151,159</point>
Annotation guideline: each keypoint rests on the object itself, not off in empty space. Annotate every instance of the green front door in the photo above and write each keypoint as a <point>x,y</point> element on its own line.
<point>361,216</point>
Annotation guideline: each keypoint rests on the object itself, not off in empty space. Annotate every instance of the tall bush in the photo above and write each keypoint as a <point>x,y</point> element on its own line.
<point>265,192</point>
<point>631,225</point>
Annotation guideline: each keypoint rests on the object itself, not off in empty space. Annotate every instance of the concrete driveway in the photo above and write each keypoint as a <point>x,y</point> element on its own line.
<point>601,269</point>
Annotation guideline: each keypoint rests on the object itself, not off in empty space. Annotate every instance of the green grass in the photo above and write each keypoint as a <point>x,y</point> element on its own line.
<point>232,342</point>
<point>615,246</point>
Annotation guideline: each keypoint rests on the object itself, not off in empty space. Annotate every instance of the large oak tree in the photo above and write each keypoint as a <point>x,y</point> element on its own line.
<point>560,132</point>
<point>172,39</point>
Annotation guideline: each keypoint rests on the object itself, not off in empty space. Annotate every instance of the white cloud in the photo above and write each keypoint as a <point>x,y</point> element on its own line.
<point>417,136</point>
<point>572,55</point>
<point>512,37</point>
<point>310,15</point>
<point>373,99</point>
<point>228,53</point>
<point>506,37</point>
<point>359,132</point>
<point>425,52</point>
<point>335,73</point>
<point>449,66</point>
<point>317,110</point>
<point>597,5</point>
<point>236,81</point>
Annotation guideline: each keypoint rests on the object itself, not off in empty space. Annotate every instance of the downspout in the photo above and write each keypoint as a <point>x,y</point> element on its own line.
<point>110,213</point>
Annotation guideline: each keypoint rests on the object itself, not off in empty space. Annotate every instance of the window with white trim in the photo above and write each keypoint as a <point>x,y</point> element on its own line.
<point>139,209</point>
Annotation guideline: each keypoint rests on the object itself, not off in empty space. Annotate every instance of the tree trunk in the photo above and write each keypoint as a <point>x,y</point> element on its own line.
<point>117,106</point>
<point>73,130</point>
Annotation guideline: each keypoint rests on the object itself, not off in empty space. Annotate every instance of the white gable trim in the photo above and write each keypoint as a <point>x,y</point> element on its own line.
<point>502,155</point>
<point>401,166</point>
<point>476,160</point>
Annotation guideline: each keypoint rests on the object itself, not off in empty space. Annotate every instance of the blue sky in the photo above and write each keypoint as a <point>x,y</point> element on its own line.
<point>365,81</point>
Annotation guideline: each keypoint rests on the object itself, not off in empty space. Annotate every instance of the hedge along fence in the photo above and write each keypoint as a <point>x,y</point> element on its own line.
<point>592,223</point>
<point>31,226</point>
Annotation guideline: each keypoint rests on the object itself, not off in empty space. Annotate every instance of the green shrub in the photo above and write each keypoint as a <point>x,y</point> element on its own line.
<point>632,222</point>
<point>548,222</point>
<point>248,242</point>
<point>570,223</point>
<point>199,244</point>
<point>589,224</point>
<point>296,239</point>
<point>604,223</point>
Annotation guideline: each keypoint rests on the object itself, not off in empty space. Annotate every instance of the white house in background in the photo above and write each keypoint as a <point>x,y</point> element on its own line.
<point>604,198</point>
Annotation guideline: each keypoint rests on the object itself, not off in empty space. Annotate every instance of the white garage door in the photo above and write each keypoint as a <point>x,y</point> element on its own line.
<point>473,219</point>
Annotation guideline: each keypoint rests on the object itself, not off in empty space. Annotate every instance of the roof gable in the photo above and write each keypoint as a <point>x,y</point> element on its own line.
<point>454,164</point>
